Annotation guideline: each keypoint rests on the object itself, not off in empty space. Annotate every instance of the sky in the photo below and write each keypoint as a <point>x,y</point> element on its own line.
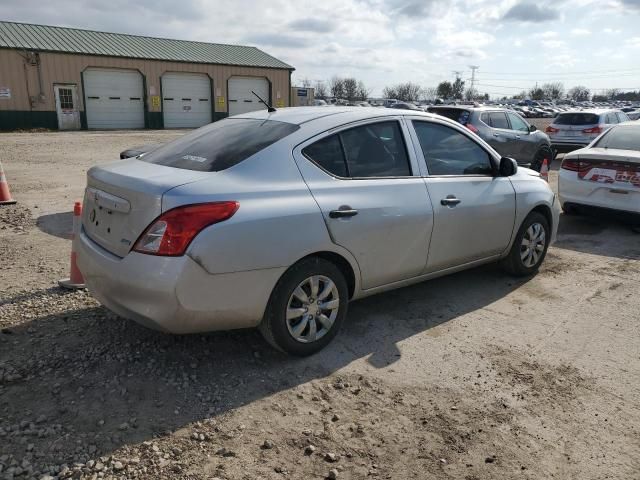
<point>515,43</point>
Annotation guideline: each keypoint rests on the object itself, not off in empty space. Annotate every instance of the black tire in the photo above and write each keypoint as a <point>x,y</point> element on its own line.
<point>274,326</point>
<point>513,263</point>
<point>542,153</point>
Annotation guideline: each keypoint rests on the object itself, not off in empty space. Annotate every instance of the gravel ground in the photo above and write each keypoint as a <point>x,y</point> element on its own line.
<point>473,376</point>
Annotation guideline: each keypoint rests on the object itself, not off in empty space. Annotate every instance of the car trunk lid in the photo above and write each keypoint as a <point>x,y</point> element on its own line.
<point>123,198</point>
<point>618,170</point>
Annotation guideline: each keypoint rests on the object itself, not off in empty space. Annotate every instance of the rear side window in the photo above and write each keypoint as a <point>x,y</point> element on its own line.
<point>498,120</point>
<point>372,150</point>
<point>577,118</point>
<point>622,117</point>
<point>449,152</point>
<point>622,138</point>
<point>611,119</point>
<point>457,114</point>
<point>220,145</point>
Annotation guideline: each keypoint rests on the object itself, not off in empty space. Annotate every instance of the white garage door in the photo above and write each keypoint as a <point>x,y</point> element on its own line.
<point>113,98</point>
<point>241,100</point>
<point>186,100</point>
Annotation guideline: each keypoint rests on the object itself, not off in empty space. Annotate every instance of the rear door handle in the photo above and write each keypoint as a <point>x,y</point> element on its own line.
<point>343,212</point>
<point>450,201</point>
<point>496,134</point>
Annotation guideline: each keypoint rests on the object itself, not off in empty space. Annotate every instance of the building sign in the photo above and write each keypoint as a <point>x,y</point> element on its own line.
<point>280,104</point>
<point>221,101</point>
<point>5,92</point>
<point>302,92</point>
<point>155,101</point>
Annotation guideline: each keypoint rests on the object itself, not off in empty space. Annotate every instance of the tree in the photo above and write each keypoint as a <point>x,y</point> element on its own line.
<point>579,93</point>
<point>553,90</point>
<point>336,87</point>
<point>430,94</point>
<point>362,92</point>
<point>520,96</point>
<point>350,86</point>
<point>470,94</point>
<point>612,93</point>
<point>405,92</point>
<point>320,90</point>
<point>445,90</point>
<point>457,89</point>
<point>536,93</point>
<point>600,98</point>
<point>306,83</point>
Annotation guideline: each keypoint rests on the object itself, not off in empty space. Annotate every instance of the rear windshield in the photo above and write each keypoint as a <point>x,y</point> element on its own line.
<point>621,138</point>
<point>457,114</point>
<point>577,118</point>
<point>220,145</point>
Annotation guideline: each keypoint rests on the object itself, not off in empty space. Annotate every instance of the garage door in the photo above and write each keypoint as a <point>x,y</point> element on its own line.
<point>186,100</point>
<point>113,98</point>
<point>241,100</point>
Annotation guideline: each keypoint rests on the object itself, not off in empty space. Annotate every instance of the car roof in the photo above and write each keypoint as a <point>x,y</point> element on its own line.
<point>484,108</point>
<point>300,115</point>
<point>595,111</point>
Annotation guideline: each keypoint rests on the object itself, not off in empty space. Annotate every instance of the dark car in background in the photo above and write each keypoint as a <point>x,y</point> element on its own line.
<point>506,131</point>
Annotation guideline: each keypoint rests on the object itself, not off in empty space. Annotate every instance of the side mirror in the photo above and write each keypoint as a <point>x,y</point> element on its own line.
<point>508,167</point>
<point>532,128</point>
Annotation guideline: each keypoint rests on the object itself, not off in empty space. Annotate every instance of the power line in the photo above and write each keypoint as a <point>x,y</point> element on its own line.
<point>564,74</point>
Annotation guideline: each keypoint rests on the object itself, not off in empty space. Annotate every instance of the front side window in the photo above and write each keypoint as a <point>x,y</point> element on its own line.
<point>220,145</point>
<point>372,150</point>
<point>498,120</point>
<point>449,152</point>
<point>611,119</point>
<point>517,123</point>
<point>622,117</point>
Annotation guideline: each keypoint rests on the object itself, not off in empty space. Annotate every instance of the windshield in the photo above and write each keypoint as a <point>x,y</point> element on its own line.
<point>577,118</point>
<point>621,138</point>
<point>220,145</point>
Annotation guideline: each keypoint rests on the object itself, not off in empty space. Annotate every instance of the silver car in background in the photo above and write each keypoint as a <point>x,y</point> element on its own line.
<point>278,220</point>
<point>578,128</point>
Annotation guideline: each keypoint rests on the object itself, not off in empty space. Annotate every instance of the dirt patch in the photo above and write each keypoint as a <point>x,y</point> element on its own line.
<point>15,217</point>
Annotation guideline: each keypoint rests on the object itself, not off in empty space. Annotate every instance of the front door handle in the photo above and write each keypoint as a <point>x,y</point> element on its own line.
<point>343,212</point>
<point>450,201</point>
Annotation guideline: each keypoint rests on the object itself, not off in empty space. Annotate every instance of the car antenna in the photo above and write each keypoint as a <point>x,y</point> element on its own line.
<point>270,109</point>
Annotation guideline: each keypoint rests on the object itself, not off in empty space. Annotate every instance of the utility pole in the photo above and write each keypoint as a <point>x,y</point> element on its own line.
<point>473,76</point>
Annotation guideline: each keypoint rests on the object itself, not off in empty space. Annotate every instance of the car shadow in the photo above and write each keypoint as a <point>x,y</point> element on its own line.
<point>599,233</point>
<point>56,224</point>
<point>102,382</point>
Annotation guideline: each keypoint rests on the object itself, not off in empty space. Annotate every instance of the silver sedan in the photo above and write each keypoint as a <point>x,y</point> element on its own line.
<point>278,220</point>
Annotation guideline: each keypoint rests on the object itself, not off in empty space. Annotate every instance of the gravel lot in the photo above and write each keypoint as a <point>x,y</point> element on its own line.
<point>474,376</point>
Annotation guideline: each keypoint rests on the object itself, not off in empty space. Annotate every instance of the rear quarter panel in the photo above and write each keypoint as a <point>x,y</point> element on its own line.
<point>278,221</point>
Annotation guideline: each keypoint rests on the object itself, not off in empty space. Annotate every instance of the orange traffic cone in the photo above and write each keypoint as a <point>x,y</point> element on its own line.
<point>75,280</point>
<point>544,170</point>
<point>5,194</point>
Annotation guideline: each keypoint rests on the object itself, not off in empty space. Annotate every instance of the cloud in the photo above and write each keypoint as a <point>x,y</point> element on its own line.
<point>314,25</point>
<point>631,4</point>
<point>279,40</point>
<point>525,11</point>
<point>580,32</point>
<point>634,42</point>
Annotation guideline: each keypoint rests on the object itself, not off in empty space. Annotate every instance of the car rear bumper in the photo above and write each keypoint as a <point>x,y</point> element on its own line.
<point>174,294</point>
<point>574,191</point>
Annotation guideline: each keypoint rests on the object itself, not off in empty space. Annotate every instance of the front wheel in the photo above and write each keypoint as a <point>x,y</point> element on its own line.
<point>307,307</point>
<point>529,247</point>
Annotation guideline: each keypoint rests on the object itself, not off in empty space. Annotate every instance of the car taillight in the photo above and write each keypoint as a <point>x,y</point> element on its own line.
<point>599,129</point>
<point>172,232</point>
<point>551,129</point>
<point>575,165</point>
<point>471,127</point>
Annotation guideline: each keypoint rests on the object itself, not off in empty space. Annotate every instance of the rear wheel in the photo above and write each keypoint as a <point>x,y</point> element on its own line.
<point>307,307</point>
<point>541,154</point>
<point>529,247</point>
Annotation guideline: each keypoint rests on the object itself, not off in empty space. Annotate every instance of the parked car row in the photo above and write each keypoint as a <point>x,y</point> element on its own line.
<point>578,128</point>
